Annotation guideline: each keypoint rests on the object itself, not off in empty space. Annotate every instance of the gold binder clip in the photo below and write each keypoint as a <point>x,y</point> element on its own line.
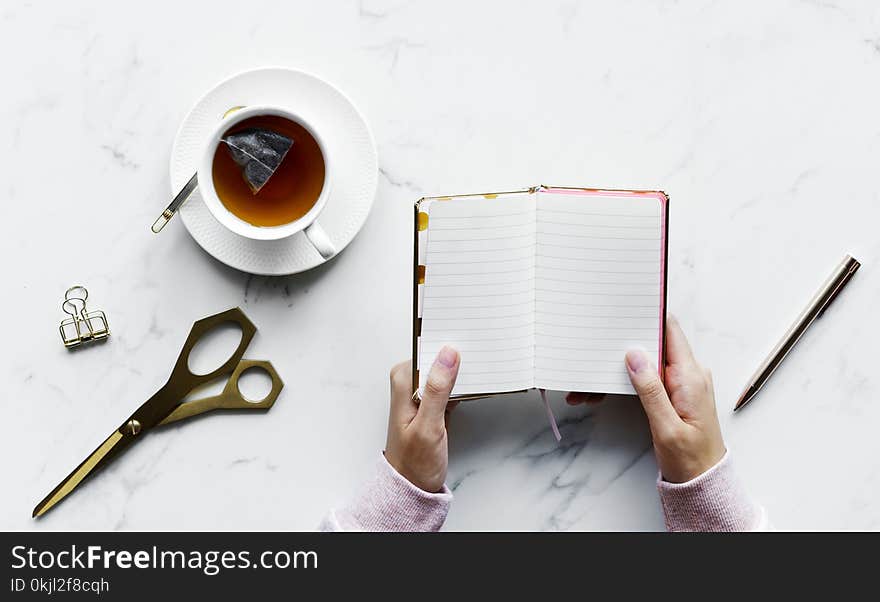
<point>82,326</point>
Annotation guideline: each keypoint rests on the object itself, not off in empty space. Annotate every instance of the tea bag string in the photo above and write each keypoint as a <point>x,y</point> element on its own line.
<point>244,152</point>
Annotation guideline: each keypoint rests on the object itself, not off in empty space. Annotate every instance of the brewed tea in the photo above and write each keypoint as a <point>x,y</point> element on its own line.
<point>293,187</point>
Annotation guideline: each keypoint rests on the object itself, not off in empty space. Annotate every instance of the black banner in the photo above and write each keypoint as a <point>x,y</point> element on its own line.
<point>134,566</point>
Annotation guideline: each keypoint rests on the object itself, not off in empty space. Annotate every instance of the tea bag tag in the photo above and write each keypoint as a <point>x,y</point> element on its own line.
<point>181,197</point>
<point>82,326</point>
<point>258,152</point>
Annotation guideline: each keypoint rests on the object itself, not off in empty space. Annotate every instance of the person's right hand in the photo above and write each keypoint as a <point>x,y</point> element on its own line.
<point>683,419</point>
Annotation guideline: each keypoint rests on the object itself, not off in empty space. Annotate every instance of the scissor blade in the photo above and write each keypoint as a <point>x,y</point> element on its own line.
<point>113,445</point>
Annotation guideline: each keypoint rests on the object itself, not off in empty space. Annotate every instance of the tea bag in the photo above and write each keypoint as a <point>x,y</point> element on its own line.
<point>259,152</point>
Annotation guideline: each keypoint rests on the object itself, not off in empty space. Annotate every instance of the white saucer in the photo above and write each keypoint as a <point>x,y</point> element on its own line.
<point>348,140</point>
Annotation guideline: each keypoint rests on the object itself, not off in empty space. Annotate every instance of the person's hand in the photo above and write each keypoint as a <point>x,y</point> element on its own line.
<point>684,423</point>
<point>417,444</point>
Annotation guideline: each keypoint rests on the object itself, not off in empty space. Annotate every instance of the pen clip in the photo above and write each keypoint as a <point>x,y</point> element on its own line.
<point>854,265</point>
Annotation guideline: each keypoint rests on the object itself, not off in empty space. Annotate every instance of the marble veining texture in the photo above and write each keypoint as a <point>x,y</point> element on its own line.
<point>759,120</point>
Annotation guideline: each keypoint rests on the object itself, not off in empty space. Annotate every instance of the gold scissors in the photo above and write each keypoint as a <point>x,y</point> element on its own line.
<point>167,404</point>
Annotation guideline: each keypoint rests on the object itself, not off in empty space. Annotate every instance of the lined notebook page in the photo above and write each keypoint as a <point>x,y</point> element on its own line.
<point>478,291</point>
<point>597,288</point>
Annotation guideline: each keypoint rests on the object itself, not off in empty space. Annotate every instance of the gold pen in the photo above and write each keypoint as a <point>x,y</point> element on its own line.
<point>817,306</point>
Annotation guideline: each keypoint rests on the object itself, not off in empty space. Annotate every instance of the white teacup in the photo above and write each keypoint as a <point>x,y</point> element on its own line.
<point>307,223</point>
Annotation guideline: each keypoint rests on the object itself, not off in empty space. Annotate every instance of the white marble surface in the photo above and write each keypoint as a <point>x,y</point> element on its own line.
<point>760,121</point>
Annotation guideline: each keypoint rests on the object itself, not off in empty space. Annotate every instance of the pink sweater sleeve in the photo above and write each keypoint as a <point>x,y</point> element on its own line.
<point>713,501</point>
<point>388,502</point>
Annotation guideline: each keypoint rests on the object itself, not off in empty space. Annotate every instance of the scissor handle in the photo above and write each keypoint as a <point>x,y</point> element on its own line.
<point>231,398</point>
<point>182,378</point>
<point>183,381</point>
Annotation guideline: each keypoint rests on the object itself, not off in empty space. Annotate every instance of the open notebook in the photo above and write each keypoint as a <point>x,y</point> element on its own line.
<point>542,288</point>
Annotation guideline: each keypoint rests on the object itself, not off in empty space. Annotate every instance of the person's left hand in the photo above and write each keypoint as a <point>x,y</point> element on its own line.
<point>417,444</point>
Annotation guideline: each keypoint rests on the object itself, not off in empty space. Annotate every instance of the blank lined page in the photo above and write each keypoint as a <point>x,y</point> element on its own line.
<point>598,287</point>
<point>478,291</point>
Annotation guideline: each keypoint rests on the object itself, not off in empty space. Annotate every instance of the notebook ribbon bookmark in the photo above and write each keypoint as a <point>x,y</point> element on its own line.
<point>553,426</point>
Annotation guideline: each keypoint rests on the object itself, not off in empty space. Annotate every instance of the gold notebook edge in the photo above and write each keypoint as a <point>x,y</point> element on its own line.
<point>589,189</point>
<point>445,197</point>
<point>415,293</point>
